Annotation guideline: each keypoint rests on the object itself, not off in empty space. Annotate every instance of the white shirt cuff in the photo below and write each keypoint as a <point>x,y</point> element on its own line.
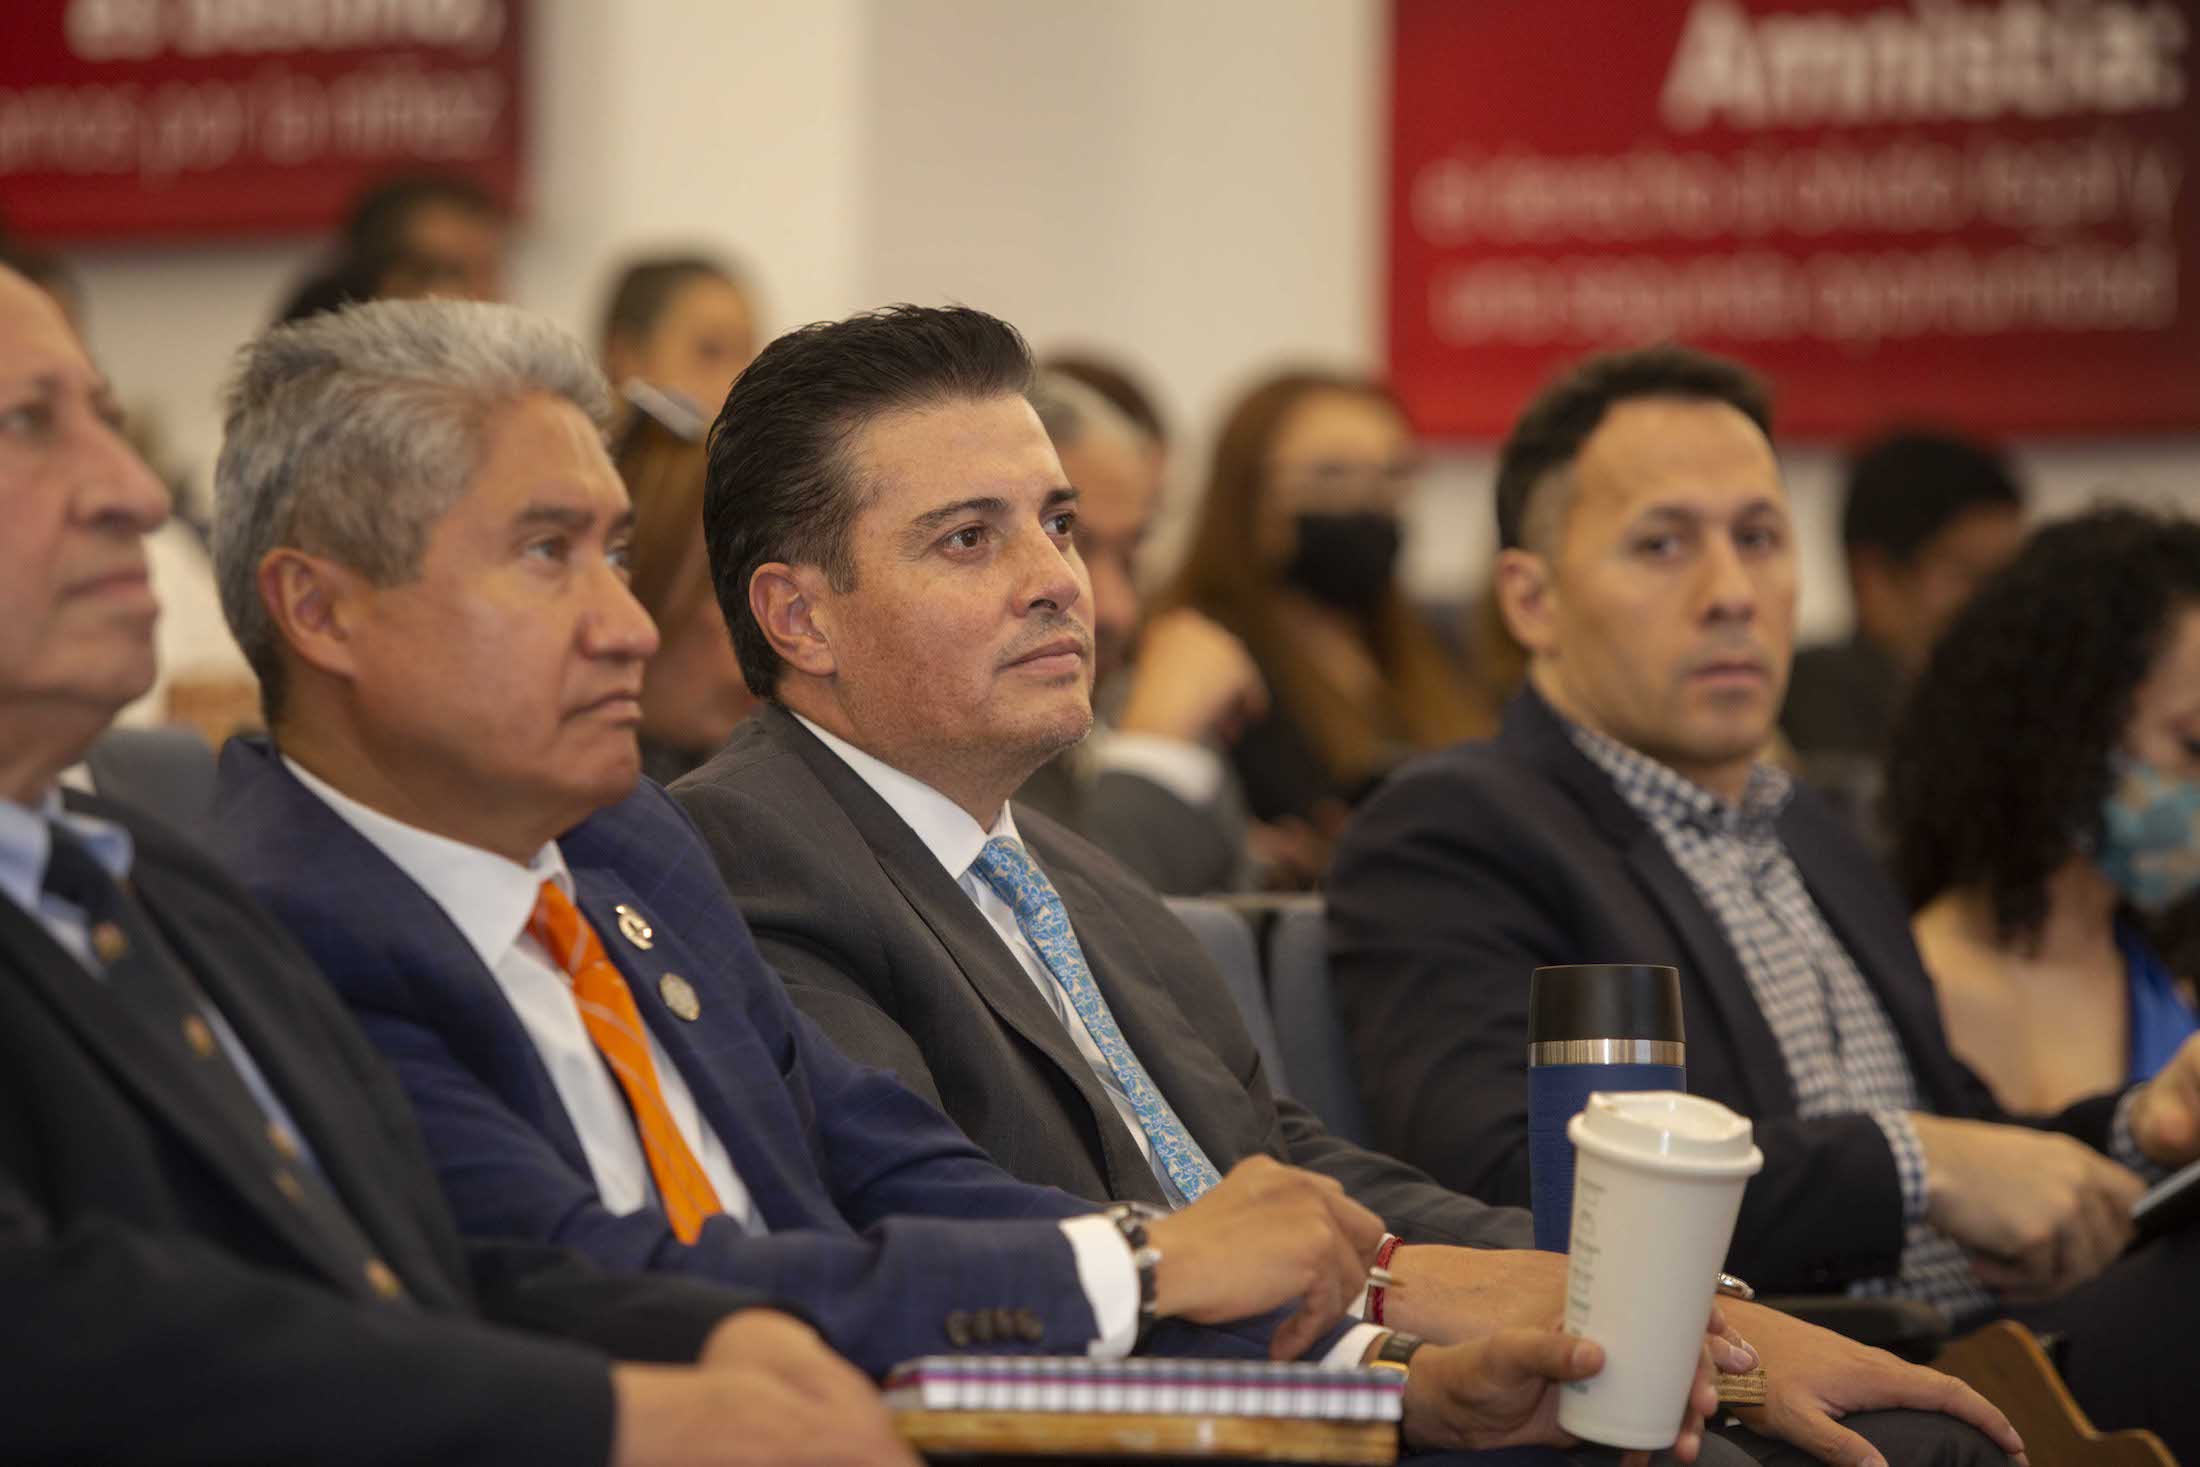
<point>1110,1282</point>
<point>1191,772</point>
<point>1348,1351</point>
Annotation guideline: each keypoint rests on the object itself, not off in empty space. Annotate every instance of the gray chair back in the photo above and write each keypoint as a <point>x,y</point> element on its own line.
<point>1315,1052</point>
<point>1228,938</point>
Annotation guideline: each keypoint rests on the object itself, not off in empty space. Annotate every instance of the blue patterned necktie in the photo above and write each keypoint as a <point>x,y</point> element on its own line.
<point>1039,912</point>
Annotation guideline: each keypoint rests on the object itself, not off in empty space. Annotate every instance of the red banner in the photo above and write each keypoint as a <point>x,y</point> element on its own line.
<point>133,119</point>
<point>1973,211</point>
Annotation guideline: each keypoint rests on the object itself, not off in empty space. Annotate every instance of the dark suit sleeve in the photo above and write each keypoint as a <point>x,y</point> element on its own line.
<point>127,1347</point>
<point>1444,900</point>
<point>1434,928</point>
<point>879,1297</point>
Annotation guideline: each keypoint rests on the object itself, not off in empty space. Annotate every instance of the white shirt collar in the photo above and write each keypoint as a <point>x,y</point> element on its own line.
<point>948,832</point>
<point>487,897</point>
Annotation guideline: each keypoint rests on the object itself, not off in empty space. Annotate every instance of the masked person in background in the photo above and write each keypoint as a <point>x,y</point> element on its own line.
<point>2034,864</point>
<point>1296,553</point>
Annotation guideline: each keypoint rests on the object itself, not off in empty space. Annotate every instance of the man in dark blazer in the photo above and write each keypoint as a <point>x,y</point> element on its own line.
<point>450,816</point>
<point>1623,815</point>
<point>922,644</point>
<point>219,1238</point>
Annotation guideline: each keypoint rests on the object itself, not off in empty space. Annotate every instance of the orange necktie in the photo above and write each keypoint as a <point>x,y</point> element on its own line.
<point>608,1012</point>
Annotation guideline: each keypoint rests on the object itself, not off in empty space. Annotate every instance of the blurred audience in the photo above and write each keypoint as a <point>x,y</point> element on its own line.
<point>430,234</point>
<point>1928,516</point>
<point>682,323</point>
<point>2044,793</point>
<point>1125,393</point>
<point>1149,785</point>
<point>331,287</point>
<point>1296,552</point>
<point>693,693</point>
<point>410,237</point>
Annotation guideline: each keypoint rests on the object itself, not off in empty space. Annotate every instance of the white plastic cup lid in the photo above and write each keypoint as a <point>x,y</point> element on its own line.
<point>1667,1130</point>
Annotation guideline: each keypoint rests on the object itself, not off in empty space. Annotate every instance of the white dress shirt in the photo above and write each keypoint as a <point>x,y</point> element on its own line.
<point>955,839</point>
<point>489,899</point>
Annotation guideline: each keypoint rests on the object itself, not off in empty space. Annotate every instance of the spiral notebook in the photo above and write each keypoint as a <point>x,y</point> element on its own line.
<point>1288,1390</point>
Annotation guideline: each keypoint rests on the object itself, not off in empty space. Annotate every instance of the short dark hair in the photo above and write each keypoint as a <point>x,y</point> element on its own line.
<point>2000,758</point>
<point>1908,486</point>
<point>781,484</point>
<point>646,286</point>
<point>1113,381</point>
<point>346,281</point>
<point>42,268</point>
<point>375,229</point>
<point>1550,433</point>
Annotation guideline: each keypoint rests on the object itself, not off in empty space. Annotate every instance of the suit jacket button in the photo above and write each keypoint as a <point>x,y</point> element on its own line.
<point>383,1280</point>
<point>958,1329</point>
<point>1029,1328</point>
<point>981,1326</point>
<point>293,1190</point>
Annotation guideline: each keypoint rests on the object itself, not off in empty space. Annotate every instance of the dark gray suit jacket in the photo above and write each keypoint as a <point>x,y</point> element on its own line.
<point>1176,848</point>
<point>881,947</point>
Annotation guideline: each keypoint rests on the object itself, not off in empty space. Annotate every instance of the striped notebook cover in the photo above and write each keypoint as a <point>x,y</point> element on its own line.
<point>1293,1390</point>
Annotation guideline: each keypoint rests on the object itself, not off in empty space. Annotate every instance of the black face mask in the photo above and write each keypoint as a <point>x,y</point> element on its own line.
<point>1345,560</point>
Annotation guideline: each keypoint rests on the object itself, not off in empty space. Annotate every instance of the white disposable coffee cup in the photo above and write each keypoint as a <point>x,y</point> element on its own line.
<point>1658,1180</point>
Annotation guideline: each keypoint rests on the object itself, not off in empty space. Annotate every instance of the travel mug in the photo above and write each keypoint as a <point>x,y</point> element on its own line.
<point>1591,1026</point>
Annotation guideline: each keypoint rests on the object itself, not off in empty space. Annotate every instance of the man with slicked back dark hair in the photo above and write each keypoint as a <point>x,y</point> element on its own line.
<point>926,647</point>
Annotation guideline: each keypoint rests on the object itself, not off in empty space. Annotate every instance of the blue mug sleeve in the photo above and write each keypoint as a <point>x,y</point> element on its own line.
<point>1556,1094</point>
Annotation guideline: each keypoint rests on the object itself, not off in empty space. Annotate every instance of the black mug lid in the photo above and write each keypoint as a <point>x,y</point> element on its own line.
<point>1605,1001</point>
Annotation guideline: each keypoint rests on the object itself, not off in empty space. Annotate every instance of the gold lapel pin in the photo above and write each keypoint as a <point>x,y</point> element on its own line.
<point>679,996</point>
<point>635,928</point>
<point>109,942</point>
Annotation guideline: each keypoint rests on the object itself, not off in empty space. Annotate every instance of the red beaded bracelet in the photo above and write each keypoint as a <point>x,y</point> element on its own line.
<point>1375,1291</point>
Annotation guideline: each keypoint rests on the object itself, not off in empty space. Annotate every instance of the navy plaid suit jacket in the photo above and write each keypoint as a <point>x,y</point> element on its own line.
<point>868,1191</point>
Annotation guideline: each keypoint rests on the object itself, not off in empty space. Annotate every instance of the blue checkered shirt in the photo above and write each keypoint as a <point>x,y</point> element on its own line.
<point>1842,1053</point>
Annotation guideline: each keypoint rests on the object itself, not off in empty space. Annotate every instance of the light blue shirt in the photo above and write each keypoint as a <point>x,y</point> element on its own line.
<point>26,843</point>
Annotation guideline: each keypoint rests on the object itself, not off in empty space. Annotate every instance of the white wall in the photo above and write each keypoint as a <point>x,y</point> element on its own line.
<point>1194,185</point>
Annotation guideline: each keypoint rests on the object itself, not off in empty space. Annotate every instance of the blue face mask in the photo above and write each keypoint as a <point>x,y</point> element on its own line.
<point>2150,835</point>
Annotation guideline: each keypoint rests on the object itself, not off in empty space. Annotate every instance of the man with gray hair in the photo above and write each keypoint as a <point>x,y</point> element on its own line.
<point>450,817</point>
<point>219,1238</point>
<point>1149,785</point>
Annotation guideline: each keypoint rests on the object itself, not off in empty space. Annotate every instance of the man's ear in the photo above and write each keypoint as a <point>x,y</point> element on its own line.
<point>315,605</point>
<point>1527,596</point>
<point>788,603</point>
